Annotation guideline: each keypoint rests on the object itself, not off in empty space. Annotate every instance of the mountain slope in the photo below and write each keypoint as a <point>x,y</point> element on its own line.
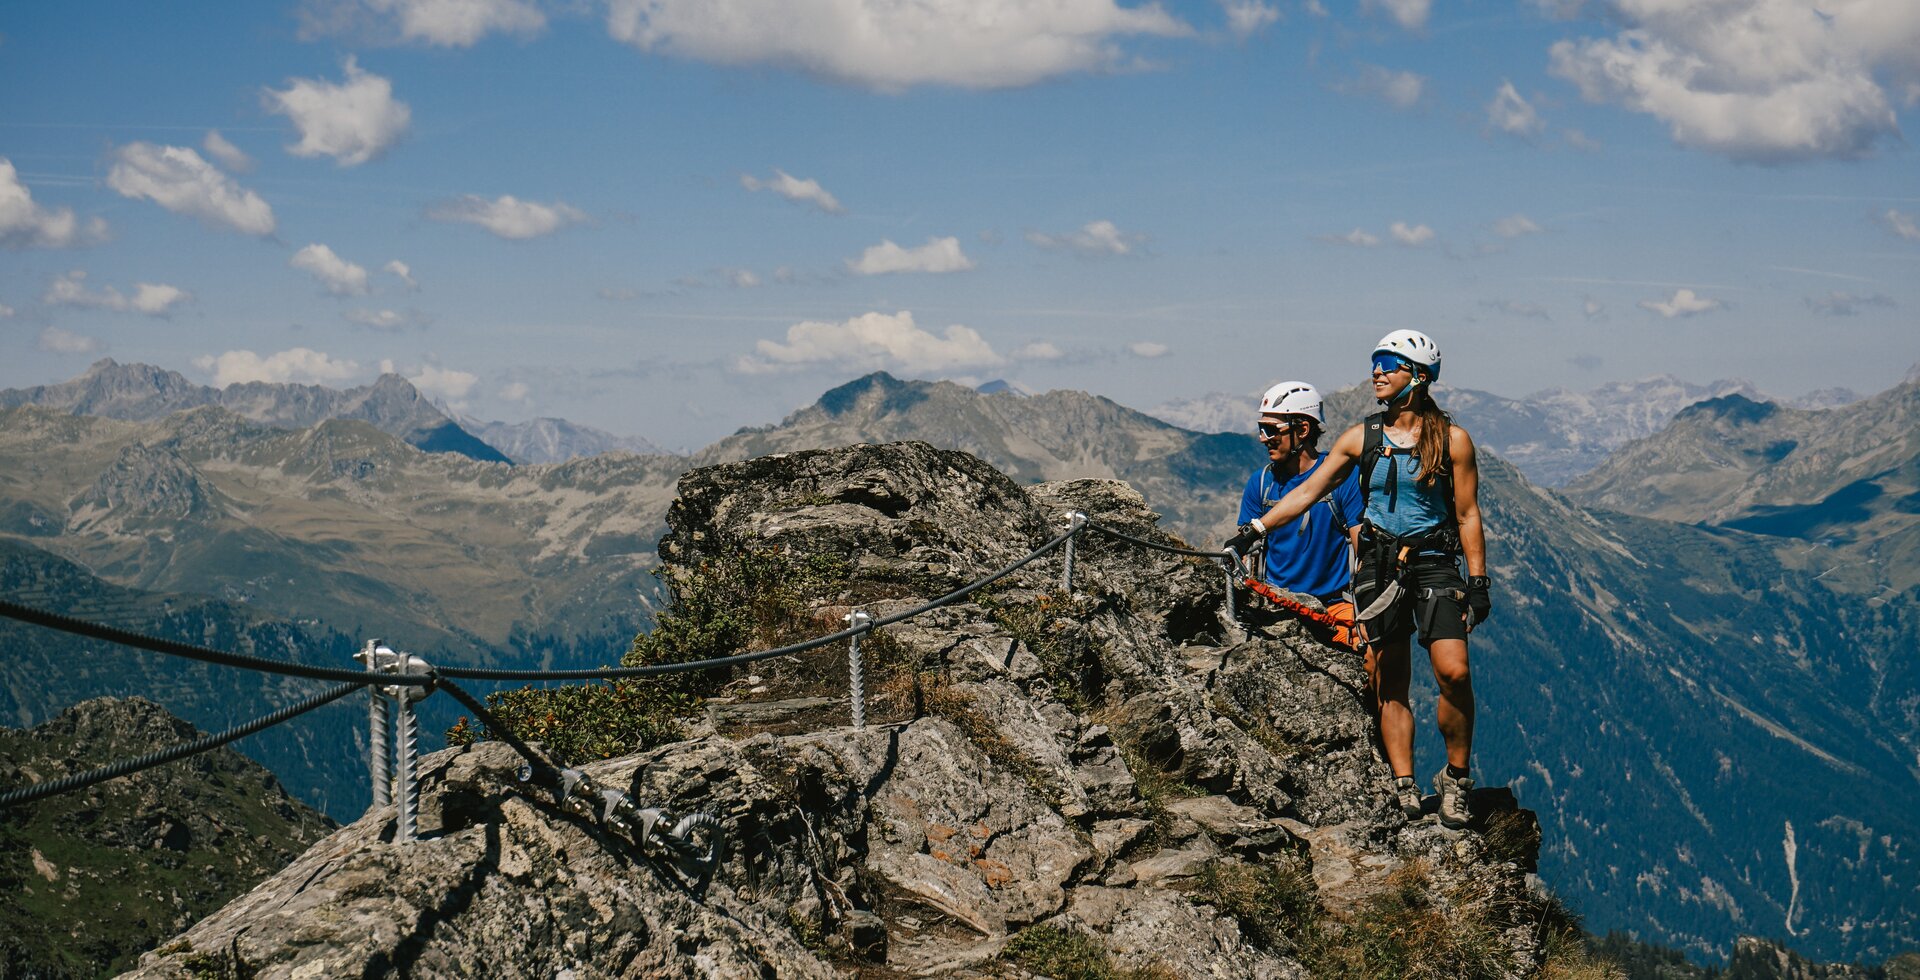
<point>142,392</point>
<point>90,879</point>
<point>546,440</point>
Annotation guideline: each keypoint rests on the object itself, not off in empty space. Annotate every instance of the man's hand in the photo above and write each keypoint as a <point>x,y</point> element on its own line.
<point>1243,539</point>
<point>1477,598</point>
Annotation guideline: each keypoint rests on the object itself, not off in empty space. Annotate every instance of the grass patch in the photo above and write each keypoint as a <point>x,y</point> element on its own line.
<point>1408,929</point>
<point>582,723</point>
<point>1049,627</point>
<point>1275,905</point>
<point>957,706</point>
<point>1067,955</point>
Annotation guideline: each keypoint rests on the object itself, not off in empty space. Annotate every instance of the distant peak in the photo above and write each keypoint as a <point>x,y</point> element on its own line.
<point>1732,407</point>
<point>839,401</point>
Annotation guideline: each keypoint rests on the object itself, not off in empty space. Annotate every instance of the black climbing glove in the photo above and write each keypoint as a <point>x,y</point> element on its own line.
<point>1477,598</point>
<point>1243,539</point>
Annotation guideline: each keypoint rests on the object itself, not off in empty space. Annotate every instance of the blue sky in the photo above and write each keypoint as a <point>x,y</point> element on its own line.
<point>672,218</point>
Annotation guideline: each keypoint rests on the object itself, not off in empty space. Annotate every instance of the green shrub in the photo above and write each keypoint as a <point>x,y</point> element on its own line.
<point>1407,930</point>
<point>1067,955</point>
<point>1276,905</point>
<point>581,723</point>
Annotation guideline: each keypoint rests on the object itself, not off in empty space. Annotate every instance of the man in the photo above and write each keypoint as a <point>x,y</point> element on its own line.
<point>1312,557</point>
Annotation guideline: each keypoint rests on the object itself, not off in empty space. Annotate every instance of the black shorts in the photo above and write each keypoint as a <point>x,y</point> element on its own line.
<point>1433,600</point>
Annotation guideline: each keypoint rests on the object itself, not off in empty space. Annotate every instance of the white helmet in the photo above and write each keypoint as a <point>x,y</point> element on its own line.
<point>1292,398</point>
<point>1414,346</point>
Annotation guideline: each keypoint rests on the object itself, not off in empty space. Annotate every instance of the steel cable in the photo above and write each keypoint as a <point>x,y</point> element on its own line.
<point>174,648</point>
<point>654,670</point>
<point>1155,545</point>
<point>126,767</point>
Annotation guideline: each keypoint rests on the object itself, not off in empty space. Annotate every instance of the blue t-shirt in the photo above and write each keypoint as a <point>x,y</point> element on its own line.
<point>1310,554</point>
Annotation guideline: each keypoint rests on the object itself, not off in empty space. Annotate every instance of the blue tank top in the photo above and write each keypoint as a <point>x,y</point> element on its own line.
<point>1414,508</point>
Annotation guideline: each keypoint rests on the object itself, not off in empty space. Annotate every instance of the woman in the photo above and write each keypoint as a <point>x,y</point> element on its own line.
<point>1420,483</point>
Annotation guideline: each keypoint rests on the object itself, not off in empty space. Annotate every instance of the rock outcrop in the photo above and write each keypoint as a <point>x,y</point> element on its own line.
<point>1115,773</point>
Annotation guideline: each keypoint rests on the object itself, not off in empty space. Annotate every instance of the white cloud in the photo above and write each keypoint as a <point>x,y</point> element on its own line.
<point>892,46</point>
<point>1246,17</point>
<point>1580,140</point>
<point>793,188</point>
<point>1359,237</point>
<point>1759,80</point>
<point>1905,225</point>
<point>390,321</point>
<point>1039,350</point>
<point>516,391</point>
<point>1410,14</point>
<point>1517,308</point>
<point>24,224</point>
<point>1093,238</point>
<point>740,278</point>
<point>180,180</point>
<point>1414,236</point>
<point>299,365</point>
<point>340,277</point>
<point>446,384</point>
<point>1510,113</point>
<point>1148,349</point>
<point>1683,303</point>
<point>871,341</point>
<point>447,23</point>
<point>1400,89</point>
<point>230,156</point>
<point>352,122</point>
<point>937,255</point>
<point>5,311</point>
<point>1847,304</point>
<point>1593,309</point>
<point>1514,226</point>
<point>1315,8</point>
<point>401,271</point>
<point>54,340</point>
<point>150,298</point>
<point>508,216</point>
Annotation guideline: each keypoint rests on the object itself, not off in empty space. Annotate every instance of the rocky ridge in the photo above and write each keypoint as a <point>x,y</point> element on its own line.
<point>1114,772</point>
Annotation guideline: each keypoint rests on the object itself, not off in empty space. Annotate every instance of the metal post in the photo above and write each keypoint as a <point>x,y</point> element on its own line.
<point>1075,520</point>
<point>1232,616</point>
<point>408,790</point>
<point>379,749</point>
<point>857,683</point>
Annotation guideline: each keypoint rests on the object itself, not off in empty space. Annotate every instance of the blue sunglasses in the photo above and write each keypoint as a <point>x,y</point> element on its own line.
<point>1389,363</point>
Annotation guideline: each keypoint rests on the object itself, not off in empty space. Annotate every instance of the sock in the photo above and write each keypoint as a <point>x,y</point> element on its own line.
<point>1456,772</point>
<point>1402,781</point>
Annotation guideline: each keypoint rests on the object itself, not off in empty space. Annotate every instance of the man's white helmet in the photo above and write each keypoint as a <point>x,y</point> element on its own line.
<point>1292,398</point>
<point>1414,346</point>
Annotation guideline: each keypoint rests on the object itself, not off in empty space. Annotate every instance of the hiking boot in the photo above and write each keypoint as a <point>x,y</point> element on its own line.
<point>1407,793</point>
<point>1453,798</point>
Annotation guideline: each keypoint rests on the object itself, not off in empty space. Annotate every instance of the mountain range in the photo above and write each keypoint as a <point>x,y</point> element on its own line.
<point>1553,436</point>
<point>1720,739</point>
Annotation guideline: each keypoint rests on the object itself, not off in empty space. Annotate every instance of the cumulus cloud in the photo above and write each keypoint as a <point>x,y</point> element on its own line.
<point>869,342</point>
<point>1905,225</point>
<point>1148,349</point>
<point>1093,238</point>
<point>24,224</point>
<point>401,271</point>
<point>230,156</point>
<point>54,340</point>
<point>1510,113</point>
<point>446,384</point>
<point>1516,308</point>
<point>1246,17</point>
<point>445,23</point>
<point>337,275</point>
<point>937,255</point>
<point>516,391</point>
<point>1414,236</point>
<point>1400,89</point>
<point>390,321</point>
<point>794,189</point>
<point>150,298</point>
<point>508,216</point>
<point>893,46</point>
<point>353,121</point>
<point>1759,80</point>
<point>1410,14</point>
<point>180,180</point>
<point>1039,350</point>
<point>1359,237</point>
<point>1837,303</point>
<point>1514,226</point>
<point>1683,302</point>
<point>298,365</point>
